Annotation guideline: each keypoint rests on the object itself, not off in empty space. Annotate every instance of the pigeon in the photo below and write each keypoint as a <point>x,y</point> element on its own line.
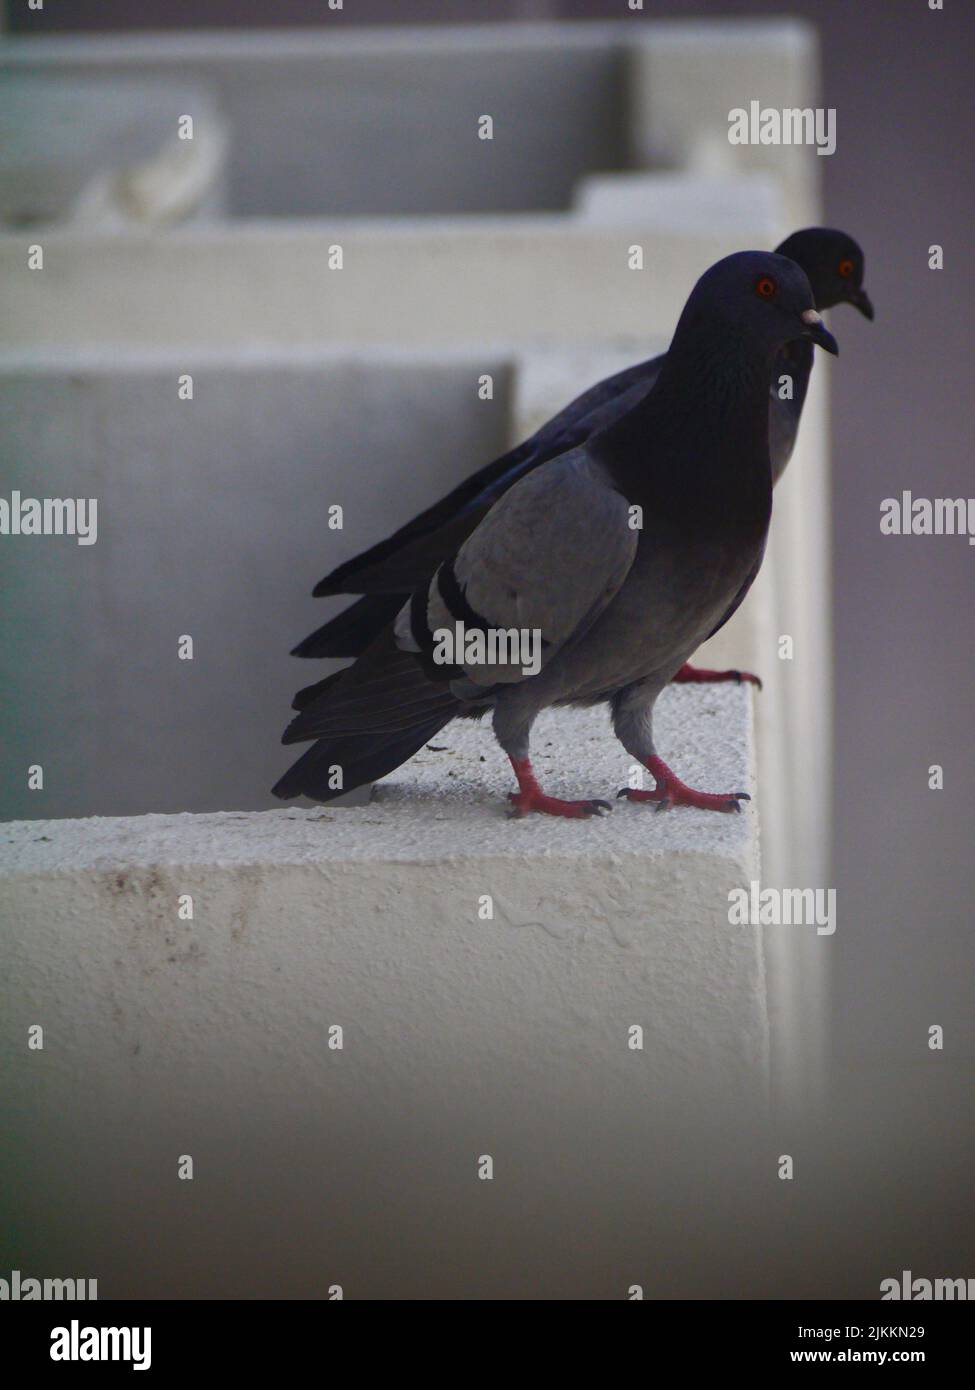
<point>390,570</point>
<point>834,264</point>
<point>610,564</point>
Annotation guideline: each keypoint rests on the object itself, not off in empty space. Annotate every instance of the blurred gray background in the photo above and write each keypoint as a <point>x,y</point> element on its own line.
<point>888,1176</point>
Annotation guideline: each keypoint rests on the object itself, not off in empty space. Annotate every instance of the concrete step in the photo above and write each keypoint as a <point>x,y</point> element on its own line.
<point>386,121</point>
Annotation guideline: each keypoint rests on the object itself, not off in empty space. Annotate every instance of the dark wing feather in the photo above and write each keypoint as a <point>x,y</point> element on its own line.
<point>405,559</point>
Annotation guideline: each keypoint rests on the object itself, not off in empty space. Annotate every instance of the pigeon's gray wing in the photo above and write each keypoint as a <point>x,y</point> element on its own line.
<point>409,556</point>
<point>546,560</point>
<point>387,572</point>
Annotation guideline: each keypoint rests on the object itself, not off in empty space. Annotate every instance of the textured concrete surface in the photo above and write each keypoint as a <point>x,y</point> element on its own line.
<point>464,1035</point>
<point>449,803</point>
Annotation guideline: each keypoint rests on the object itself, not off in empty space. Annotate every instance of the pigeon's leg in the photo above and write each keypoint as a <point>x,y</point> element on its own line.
<point>671,791</point>
<point>512,724</point>
<point>633,723</point>
<point>702,675</point>
<point>530,797</point>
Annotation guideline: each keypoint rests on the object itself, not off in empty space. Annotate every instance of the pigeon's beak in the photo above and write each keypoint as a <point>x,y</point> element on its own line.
<point>816,331</point>
<point>861,300</point>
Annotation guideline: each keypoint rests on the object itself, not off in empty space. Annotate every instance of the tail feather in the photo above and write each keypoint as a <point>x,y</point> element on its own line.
<point>352,630</point>
<point>407,567</point>
<point>394,699</point>
<point>367,720</point>
<point>311,692</point>
<point>361,758</point>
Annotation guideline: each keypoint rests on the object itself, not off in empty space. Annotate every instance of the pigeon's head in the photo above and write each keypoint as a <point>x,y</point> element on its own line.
<point>834,264</point>
<point>758,301</point>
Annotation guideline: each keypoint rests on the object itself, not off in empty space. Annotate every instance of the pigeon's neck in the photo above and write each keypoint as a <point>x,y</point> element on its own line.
<point>706,382</point>
<point>709,409</point>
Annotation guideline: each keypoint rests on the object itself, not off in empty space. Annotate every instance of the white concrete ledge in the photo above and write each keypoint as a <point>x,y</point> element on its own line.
<point>462,1035</point>
<point>449,803</point>
<point>425,281</point>
<point>678,202</point>
<point>384,122</point>
<point>370,917</point>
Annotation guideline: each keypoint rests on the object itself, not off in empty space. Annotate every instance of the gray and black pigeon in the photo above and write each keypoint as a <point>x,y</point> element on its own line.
<point>390,570</point>
<point>620,557</point>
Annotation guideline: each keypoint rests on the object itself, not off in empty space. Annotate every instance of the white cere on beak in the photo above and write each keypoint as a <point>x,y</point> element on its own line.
<point>811,317</point>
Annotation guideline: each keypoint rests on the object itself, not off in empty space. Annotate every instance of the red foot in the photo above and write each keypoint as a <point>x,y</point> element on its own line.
<point>701,675</point>
<point>671,791</point>
<point>530,797</point>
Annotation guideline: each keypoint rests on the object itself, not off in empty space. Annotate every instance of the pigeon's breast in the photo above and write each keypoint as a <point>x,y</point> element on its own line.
<point>787,395</point>
<point>672,600</point>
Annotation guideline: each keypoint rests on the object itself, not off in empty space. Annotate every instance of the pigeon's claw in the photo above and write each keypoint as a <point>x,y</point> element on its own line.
<point>525,802</point>
<point>671,791</point>
<point>530,797</point>
<point>701,675</point>
<point>704,801</point>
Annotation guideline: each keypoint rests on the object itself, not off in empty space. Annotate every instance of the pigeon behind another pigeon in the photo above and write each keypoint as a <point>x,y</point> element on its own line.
<point>388,571</point>
<point>619,558</point>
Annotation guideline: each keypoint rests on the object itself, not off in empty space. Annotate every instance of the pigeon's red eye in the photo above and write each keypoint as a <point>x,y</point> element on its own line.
<point>846,269</point>
<point>766,287</point>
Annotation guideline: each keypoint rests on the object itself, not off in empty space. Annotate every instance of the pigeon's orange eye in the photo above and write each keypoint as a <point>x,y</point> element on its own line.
<point>846,269</point>
<point>766,287</point>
